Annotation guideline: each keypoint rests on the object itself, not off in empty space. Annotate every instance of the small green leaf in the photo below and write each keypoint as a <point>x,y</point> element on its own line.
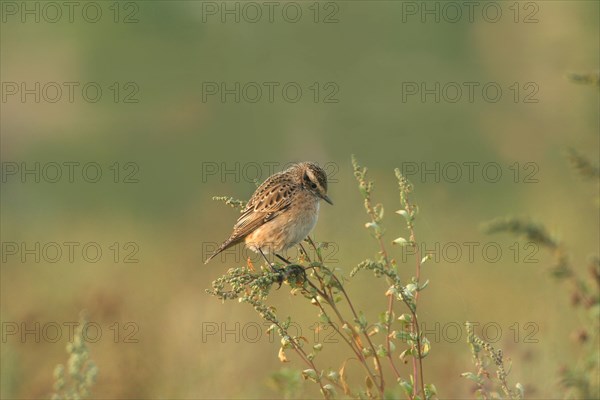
<point>382,351</point>
<point>310,374</point>
<point>406,386</point>
<point>405,319</point>
<point>425,347</point>
<point>404,336</point>
<point>333,376</point>
<point>430,390</point>
<point>401,241</point>
<point>392,347</point>
<point>328,391</point>
<point>471,376</point>
<point>520,389</point>
<point>362,320</point>
<point>406,353</point>
<point>379,210</point>
<point>404,213</point>
<point>347,329</point>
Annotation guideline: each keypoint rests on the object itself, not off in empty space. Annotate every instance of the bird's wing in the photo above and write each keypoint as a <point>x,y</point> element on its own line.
<point>271,198</point>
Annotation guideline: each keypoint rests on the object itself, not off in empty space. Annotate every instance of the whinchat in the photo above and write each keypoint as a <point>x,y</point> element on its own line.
<point>282,211</point>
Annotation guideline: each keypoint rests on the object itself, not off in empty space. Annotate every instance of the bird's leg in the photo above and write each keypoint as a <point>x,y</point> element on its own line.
<point>309,240</point>
<point>304,252</point>
<point>267,260</point>
<point>280,275</point>
<point>282,259</point>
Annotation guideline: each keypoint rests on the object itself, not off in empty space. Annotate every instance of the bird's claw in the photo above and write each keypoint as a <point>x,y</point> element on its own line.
<point>294,271</point>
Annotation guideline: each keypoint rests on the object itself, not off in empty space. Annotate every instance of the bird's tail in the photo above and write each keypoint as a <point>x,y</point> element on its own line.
<point>224,246</point>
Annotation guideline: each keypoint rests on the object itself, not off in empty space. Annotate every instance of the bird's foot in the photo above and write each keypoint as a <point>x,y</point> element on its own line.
<point>293,274</point>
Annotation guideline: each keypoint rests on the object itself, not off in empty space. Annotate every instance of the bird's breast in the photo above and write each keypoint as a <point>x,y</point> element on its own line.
<point>289,228</point>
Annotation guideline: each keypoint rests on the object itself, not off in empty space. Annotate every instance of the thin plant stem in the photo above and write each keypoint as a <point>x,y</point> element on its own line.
<point>358,353</point>
<point>355,314</point>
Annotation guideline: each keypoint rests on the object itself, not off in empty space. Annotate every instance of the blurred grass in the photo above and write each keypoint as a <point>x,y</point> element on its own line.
<point>170,133</point>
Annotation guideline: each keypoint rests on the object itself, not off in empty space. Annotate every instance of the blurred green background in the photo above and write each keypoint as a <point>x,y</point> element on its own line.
<point>173,135</point>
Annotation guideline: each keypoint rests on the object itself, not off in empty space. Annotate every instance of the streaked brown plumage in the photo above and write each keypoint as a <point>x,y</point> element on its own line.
<point>282,211</point>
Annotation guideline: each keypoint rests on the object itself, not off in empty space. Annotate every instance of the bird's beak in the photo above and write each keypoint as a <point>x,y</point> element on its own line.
<point>327,199</point>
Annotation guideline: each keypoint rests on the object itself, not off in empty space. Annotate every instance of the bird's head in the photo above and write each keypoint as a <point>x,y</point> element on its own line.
<point>314,179</point>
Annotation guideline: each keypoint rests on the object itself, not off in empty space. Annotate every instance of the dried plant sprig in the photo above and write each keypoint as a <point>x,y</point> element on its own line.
<point>230,201</point>
<point>588,78</point>
<point>480,349</point>
<point>523,227</point>
<point>584,166</point>
<point>76,380</point>
<point>253,288</point>
<point>536,233</point>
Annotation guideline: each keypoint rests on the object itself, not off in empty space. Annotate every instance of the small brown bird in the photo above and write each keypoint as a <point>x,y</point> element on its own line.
<point>282,211</point>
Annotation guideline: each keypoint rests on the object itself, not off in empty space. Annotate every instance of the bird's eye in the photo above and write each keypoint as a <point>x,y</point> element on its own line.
<point>309,182</point>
